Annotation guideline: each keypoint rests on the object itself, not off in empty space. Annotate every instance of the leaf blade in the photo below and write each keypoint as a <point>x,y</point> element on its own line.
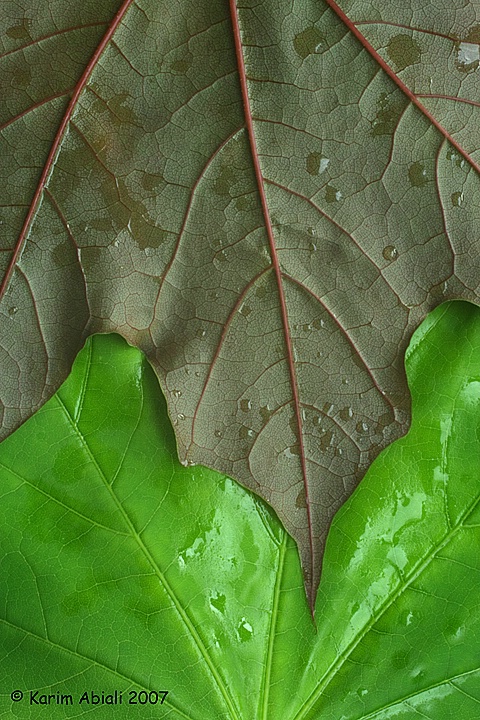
<point>399,588</point>
<point>268,223</point>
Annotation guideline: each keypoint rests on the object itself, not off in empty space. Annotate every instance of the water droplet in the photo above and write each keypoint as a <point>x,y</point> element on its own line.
<point>292,451</point>
<point>245,432</point>
<point>201,333</point>
<point>218,602</point>
<point>312,247</point>
<point>312,231</point>
<point>390,252</point>
<point>326,440</point>
<point>244,310</point>
<point>327,408</point>
<point>457,199</point>
<point>387,115</point>
<point>309,42</point>
<point>225,181</point>
<point>244,630</point>
<point>265,412</point>
<point>181,416</point>
<point>116,242</point>
<point>417,174</point>
<point>467,58</point>
<point>242,202</point>
<point>345,381</point>
<point>245,405</point>
<point>362,427</point>
<point>403,50</point>
<point>316,164</point>
<point>218,433</point>
<point>346,413</point>
<point>177,393</point>
<point>301,500</point>
<point>332,194</point>
<point>183,64</point>
<point>12,311</point>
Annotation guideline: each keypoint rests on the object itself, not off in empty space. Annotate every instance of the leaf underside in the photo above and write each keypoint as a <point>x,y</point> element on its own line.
<point>266,199</point>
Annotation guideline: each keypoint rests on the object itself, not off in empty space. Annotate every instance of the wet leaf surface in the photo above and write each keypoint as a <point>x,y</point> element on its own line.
<point>265,199</point>
<point>123,570</point>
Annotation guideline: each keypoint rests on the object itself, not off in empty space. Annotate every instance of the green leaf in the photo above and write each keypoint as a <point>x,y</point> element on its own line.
<point>266,198</point>
<point>123,570</point>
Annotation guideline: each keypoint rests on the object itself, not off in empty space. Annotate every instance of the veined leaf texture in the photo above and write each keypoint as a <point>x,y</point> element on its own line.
<point>266,198</point>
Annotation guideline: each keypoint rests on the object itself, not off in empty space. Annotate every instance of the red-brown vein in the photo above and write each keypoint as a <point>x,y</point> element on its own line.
<point>402,26</point>
<point>189,207</point>
<point>31,108</point>
<point>404,88</point>
<point>345,334</point>
<point>437,96</point>
<point>63,31</point>
<point>278,275</point>
<point>56,144</point>
<point>225,329</point>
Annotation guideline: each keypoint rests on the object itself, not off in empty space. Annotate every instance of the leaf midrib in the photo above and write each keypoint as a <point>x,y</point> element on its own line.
<point>87,658</point>
<point>419,568</point>
<point>54,150</point>
<point>394,703</point>
<point>351,26</point>
<point>189,625</point>
<point>310,585</point>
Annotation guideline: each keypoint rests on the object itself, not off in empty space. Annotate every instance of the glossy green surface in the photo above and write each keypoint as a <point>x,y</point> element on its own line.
<point>122,569</point>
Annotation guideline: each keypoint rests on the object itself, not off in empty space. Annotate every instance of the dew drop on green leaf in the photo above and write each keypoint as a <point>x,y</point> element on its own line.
<point>218,602</point>
<point>244,630</point>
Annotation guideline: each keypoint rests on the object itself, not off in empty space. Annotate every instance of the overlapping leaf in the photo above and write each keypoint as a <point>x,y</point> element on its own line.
<point>123,570</point>
<point>265,198</point>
